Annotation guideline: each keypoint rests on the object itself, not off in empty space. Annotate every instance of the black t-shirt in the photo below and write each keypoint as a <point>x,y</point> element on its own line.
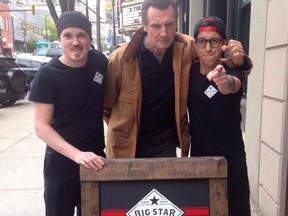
<point>77,95</point>
<point>215,118</point>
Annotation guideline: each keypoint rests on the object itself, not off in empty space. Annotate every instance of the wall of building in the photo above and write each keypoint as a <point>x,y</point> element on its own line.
<point>266,120</point>
<point>6,38</point>
<point>254,94</point>
<point>196,7</point>
<point>195,13</point>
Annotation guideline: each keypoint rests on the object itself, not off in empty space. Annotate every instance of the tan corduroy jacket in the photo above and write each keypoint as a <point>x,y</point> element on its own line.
<point>123,95</point>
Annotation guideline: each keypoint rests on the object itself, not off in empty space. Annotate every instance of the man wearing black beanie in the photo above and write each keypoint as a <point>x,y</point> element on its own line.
<point>68,97</point>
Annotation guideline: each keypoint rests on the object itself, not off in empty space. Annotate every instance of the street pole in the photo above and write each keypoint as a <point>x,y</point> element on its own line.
<point>98,25</point>
<point>46,27</point>
<point>24,33</point>
<point>113,21</point>
<point>87,11</point>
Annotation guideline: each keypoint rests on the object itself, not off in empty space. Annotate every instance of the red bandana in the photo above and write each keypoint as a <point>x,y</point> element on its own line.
<point>208,28</point>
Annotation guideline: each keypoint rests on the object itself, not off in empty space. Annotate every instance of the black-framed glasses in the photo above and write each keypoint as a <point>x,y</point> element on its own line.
<point>214,42</point>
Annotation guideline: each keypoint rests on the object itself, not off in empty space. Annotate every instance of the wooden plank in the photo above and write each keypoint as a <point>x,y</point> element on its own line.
<point>158,168</point>
<point>90,198</point>
<point>218,197</point>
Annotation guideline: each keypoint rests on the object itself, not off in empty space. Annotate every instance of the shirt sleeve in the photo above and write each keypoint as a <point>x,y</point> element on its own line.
<point>44,87</point>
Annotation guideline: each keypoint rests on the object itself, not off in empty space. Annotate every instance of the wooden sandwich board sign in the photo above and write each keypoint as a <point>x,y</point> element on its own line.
<point>156,186</point>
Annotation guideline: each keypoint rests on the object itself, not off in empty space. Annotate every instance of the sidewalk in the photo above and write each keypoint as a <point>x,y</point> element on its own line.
<point>21,163</point>
<point>21,185</point>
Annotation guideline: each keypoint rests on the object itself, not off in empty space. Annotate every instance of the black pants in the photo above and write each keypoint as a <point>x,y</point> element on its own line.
<point>159,145</point>
<point>62,194</point>
<point>238,190</point>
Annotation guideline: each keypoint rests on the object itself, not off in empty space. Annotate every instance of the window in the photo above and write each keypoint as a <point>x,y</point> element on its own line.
<point>244,32</point>
<point>1,22</point>
<point>36,64</point>
<point>23,63</point>
<point>6,24</point>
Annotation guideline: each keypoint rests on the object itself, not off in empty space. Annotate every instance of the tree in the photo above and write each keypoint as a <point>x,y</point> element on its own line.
<point>31,44</point>
<point>69,5</point>
<point>65,5</point>
<point>50,27</point>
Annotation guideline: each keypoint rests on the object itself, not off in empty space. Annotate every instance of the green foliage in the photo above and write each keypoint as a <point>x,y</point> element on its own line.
<point>31,44</point>
<point>49,25</point>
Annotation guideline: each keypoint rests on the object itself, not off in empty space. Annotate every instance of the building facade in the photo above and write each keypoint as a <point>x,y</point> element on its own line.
<point>266,117</point>
<point>6,37</point>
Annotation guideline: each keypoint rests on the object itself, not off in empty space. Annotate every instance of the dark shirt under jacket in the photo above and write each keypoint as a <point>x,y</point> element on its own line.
<point>158,103</point>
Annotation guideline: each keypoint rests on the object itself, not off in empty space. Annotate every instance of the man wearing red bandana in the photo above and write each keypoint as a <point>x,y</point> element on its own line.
<point>215,93</point>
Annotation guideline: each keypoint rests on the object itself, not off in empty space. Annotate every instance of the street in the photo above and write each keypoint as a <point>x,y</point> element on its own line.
<point>21,162</point>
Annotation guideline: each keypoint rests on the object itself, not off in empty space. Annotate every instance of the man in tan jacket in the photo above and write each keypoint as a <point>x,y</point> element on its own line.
<point>147,87</point>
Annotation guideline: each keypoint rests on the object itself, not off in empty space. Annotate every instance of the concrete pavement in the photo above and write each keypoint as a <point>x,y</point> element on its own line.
<point>21,163</point>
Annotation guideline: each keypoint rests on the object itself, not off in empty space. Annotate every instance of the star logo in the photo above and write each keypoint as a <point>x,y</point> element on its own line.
<point>154,203</point>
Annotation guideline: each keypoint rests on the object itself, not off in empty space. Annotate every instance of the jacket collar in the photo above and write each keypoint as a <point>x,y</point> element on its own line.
<point>134,45</point>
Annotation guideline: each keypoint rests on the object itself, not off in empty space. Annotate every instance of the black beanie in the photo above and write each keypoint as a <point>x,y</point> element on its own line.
<point>73,19</point>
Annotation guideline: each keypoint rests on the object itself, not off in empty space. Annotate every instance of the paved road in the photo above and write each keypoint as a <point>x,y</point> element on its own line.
<point>21,163</point>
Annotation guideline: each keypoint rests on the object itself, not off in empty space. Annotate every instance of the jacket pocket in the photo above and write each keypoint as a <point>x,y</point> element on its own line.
<point>120,147</point>
<point>122,120</point>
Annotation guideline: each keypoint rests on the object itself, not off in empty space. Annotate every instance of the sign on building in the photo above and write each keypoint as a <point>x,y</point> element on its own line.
<point>130,18</point>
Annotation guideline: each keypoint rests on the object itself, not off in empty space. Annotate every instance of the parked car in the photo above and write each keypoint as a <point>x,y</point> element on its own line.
<point>21,55</point>
<point>50,52</point>
<point>34,57</point>
<point>13,85</point>
<point>30,65</point>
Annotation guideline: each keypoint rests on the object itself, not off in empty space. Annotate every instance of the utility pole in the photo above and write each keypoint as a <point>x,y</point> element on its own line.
<point>46,27</point>
<point>113,21</point>
<point>24,29</point>
<point>87,11</point>
<point>98,25</point>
